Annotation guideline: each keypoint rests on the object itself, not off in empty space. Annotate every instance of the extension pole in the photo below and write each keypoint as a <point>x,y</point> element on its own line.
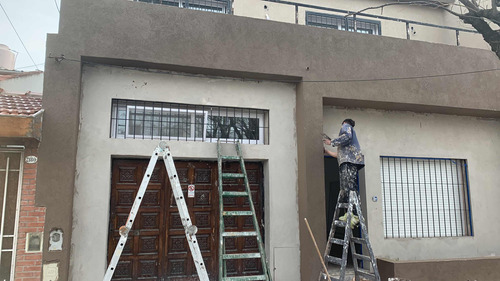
<point>317,250</point>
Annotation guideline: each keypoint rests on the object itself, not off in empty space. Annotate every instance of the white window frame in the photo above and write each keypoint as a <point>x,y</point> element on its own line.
<point>207,112</point>
<point>14,236</point>
<point>191,112</point>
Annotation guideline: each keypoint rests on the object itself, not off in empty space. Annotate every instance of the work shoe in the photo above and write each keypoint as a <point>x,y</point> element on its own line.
<point>354,220</point>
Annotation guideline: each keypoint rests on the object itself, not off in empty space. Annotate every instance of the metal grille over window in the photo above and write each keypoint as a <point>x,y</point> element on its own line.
<point>425,197</point>
<point>339,22</point>
<point>216,6</point>
<point>132,119</point>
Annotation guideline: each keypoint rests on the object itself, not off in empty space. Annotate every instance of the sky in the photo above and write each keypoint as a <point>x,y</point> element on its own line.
<point>32,19</point>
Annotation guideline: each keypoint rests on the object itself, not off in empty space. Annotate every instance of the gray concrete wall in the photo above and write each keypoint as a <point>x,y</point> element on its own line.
<point>408,134</point>
<point>140,34</point>
<point>96,149</point>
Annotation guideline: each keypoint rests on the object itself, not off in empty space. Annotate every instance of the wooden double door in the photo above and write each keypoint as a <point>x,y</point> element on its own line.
<point>156,248</point>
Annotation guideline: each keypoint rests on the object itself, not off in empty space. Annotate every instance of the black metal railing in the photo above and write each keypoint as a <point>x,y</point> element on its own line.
<point>132,119</point>
<point>216,6</point>
<point>349,17</point>
<point>425,197</point>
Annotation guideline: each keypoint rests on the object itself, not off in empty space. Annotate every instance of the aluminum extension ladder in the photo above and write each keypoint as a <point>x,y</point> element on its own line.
<point>189,228</point>
<point>223,255</point>
<point>367,273</point>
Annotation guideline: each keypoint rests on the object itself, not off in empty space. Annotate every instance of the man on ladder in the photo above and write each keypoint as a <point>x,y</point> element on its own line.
<point>351,160</point>
<point>349,156</point>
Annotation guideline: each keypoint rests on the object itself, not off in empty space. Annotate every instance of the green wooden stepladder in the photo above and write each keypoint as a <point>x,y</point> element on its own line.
<point>223,256</point>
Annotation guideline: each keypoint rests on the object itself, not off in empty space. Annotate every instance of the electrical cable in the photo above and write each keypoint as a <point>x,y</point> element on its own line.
<point>29,66</point>
<point>57,6</point>
<point>19,37</point>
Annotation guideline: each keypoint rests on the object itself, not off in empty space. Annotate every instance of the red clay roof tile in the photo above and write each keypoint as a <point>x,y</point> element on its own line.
<point>25,104</point>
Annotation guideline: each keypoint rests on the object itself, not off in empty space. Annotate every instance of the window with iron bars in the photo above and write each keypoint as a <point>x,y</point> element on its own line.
<point>131,119</point>
<point>216,6</point>
<point>425,197</point>
<point>338,22</point>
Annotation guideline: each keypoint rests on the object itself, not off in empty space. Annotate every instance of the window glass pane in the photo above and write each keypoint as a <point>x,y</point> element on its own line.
<point>233,127</point>
<point>338,22</point>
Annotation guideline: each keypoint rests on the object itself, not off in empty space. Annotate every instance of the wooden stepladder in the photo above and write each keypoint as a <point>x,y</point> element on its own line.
<point>360,269</point>
<point>223,256</point>
<point>189,228</point>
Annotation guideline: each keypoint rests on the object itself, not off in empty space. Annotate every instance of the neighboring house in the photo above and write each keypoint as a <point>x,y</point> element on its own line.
<point>23,221</point>
<point>16,82</point>
<point>137,73</point>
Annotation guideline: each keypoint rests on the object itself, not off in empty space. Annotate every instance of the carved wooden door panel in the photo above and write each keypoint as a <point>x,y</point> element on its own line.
<point>203,210</point>
<point>157,248</point>
<point>143,254</point>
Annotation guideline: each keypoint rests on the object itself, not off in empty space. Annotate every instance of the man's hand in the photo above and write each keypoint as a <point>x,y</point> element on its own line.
<point>331,153</point>
<point>327,142</point>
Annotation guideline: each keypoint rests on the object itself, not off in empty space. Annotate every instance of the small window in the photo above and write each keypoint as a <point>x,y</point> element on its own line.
<point>185,122</point>
<point>425,197</point>
<point>338,22</point>
<point>216,6</point>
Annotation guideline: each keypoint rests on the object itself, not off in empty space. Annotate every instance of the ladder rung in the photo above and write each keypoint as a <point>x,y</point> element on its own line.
<point>232,176</point>
<point>343,205</point>
<point>333,278</point>
<point>337,241</point>
<point>245,278</point>
<point>234,193</point>
<point>366,274</point>
<point>239,234</point>
<point>362,257</point>
<point>237,213</point>
<point>334,260</point>
<point>241,256</point>
<point>340,223</point>
<point>231,157</point>
<point>358,240</point>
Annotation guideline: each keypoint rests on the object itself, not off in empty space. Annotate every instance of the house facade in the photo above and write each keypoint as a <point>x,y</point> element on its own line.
<point>22,220</point>
<point>136,73</point>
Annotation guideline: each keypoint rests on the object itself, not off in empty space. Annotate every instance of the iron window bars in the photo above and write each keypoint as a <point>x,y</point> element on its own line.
<point>339,22</point>
<point>216,6</point>
<point>132,119</point>
<point>425,197</point>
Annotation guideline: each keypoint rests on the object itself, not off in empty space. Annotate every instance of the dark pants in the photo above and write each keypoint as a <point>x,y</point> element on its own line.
<point>348,180</point>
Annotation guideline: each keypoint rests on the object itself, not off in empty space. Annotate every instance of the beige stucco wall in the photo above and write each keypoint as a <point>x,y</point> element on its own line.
<point>397,133</point>
<point>23,84</point>
<point>286,13</point>
<point>95,150</point>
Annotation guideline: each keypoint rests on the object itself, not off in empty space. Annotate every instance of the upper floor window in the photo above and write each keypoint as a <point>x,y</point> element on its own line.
<point>425,197</point>
<point>185,122</point>
<point>338,22</point>
<point>217,6</point>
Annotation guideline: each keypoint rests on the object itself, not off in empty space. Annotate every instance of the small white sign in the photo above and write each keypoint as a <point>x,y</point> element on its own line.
<point>50,272</point>
<point>31,159</point>
<point>191,191</point>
